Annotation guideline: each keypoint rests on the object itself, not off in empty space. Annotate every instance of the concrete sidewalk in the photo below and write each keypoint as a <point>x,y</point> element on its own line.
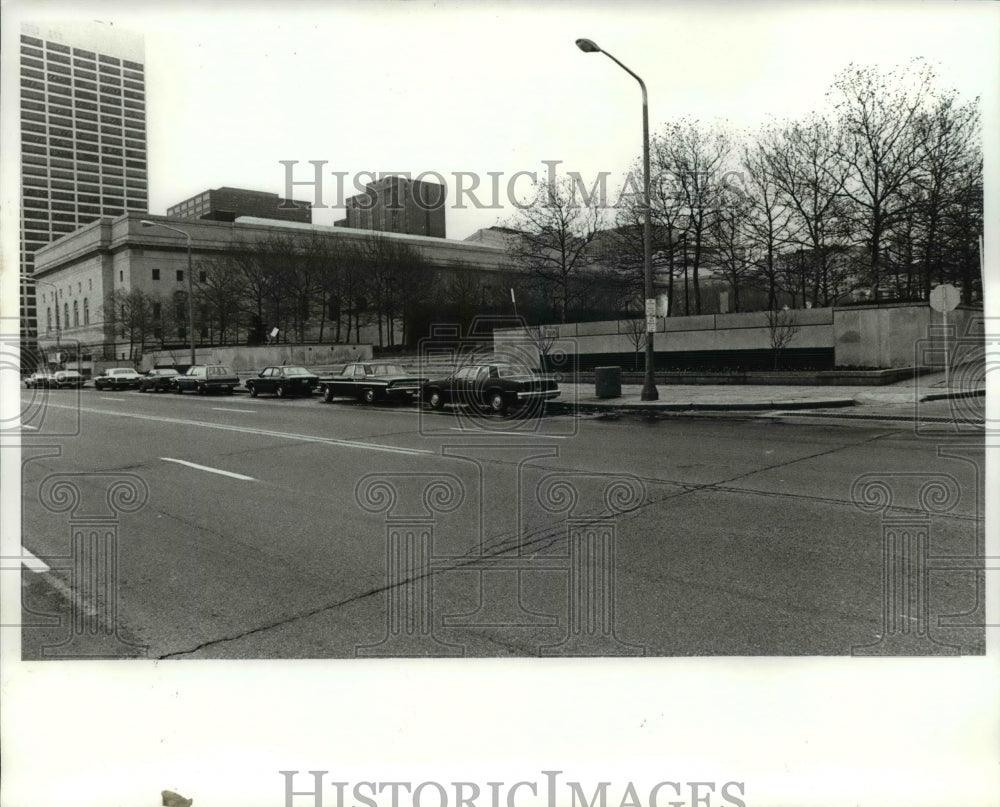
<point>735,397</point>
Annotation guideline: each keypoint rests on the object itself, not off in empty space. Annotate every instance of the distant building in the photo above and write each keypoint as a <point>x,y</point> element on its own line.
<point>395,204</point>
<point>83,141</point>
<point>228,204</point>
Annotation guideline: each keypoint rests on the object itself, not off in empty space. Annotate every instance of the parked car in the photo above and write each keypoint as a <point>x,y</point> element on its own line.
<point>205,378</point>
<point>282,381</point>
<point>493,386</point>
<point>158,379</point>
<point>67,378</point>
<point>40,379</point>
<point>372,381</point>
<point>118,378</point>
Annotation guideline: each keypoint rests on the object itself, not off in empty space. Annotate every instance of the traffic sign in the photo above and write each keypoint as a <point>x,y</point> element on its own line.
<point>945,298</point>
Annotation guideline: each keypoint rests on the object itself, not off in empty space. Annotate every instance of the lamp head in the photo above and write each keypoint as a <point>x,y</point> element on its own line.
<point>588,46</point>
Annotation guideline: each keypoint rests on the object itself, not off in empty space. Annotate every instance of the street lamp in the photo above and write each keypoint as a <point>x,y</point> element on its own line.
<point>649,392</point>
<point>190,282</point>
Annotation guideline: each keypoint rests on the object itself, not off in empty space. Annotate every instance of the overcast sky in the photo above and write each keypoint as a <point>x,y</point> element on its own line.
<point>446,87</point>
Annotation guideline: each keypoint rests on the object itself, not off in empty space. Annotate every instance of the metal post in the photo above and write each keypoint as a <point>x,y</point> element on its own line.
<point>649,392</point>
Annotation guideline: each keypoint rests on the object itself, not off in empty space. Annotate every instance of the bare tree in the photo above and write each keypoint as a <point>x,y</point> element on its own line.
<point>692,161</point>
<point>132,314</point>
<point>635,330</point>
<point>554,245</point>
<point>782,325</point>
<point>879,119</point>
<point>805,161</point>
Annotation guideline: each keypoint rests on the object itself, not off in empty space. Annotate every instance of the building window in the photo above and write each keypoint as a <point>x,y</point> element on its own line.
<point>48,320</point>
<point>86,312</point>
<point>180,274</point>
<point>90,284</point>
<point>65,314</point>
<point>121,275</point>
<point>76,314</point>
<point>156,274</point>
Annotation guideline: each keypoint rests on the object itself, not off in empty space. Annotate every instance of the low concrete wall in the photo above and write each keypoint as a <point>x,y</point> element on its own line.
<point>242,358</point>
<point>900,335</point>
<point>881,335</point>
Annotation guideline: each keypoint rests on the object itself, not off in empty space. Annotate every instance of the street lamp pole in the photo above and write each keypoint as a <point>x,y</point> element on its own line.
<point>649,392</point>
<point>190,281</point>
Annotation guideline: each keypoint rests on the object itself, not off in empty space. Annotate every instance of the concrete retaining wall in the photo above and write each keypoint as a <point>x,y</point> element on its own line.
<point>884,335</point>
<point>251,358</point>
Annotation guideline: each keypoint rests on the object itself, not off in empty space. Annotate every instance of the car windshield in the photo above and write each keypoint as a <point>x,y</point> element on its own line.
<point>219,370</point>
<point>121,371</point>
<point>296,371</point>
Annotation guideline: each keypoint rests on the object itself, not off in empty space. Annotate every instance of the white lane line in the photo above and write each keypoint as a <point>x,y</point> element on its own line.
<point>105,398</point>
<point>32,562</point>
<point>307,438</point>
<point>231,409</point>
<point>512,434</point>
<point>210,470</point>
<point>30,428</point>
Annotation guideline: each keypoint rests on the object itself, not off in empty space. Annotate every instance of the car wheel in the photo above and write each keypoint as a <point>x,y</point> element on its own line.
<point>368,395</point>
<point>327,394</point>
<point>253,390</point>
<point>279,391</point>
<point>497,403</point>
<point>436,399</point>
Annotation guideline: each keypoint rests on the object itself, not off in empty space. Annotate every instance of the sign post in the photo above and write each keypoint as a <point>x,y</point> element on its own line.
<point>945,298</point>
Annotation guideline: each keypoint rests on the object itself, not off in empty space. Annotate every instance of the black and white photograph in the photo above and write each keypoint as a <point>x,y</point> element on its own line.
<point>458,404</point>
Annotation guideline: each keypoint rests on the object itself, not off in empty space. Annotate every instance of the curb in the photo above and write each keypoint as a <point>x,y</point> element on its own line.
<point>943,396</point>
<point>562,407</point>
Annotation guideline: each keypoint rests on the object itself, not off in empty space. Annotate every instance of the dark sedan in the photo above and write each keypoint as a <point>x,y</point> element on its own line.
<point>494,386</point>
<point>369,382</point>
<point>282,381</point>
<point>205,378</point>
<point>159,379</point>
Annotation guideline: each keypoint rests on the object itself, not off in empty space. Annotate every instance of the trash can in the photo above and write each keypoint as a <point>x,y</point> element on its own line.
<point>608,382</point>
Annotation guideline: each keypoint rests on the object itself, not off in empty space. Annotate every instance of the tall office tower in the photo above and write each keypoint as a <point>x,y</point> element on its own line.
<point>83,137</point>
<point>395,204</point>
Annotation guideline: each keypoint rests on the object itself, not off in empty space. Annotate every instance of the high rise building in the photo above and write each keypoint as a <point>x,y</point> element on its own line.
<point>83,138</point>
<point>395,204</point>
<point>228,204</point>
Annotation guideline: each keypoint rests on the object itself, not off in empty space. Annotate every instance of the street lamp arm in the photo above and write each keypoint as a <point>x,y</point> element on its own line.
<point>642,84</point>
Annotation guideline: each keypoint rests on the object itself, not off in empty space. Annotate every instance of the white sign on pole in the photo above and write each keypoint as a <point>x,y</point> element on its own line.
<point>651,324</point>
<point>945,298</point>
<point>651,307</point>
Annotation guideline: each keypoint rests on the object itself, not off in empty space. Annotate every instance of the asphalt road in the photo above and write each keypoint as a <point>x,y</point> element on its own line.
<point>265,528</point>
